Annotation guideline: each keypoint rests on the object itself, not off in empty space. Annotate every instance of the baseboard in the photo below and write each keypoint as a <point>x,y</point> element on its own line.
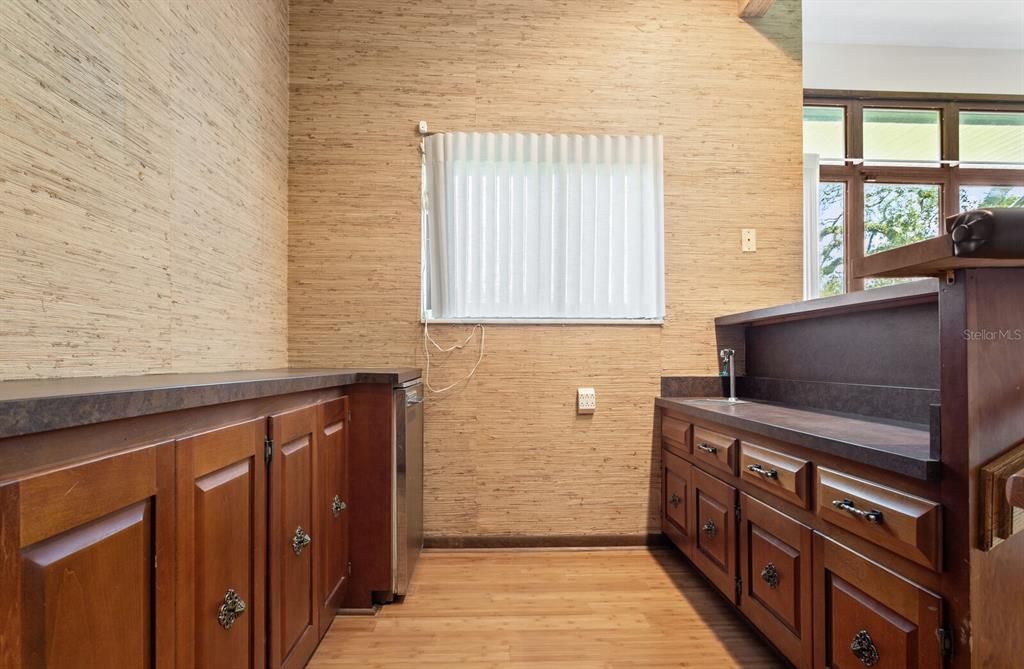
<point>589,541</point>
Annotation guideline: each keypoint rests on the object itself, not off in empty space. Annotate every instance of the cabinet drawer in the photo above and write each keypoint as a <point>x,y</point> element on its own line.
<point>714,531</point>
<point>675,433</point>
<point>675,500</point>
<point>782,475</point>
<point>907,525</point>
<point>776,574</point>
<point>893,627</point>
<point>714,449</point>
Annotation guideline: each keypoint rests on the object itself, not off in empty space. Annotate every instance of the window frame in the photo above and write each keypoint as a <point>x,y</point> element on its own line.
<point>947,174</point>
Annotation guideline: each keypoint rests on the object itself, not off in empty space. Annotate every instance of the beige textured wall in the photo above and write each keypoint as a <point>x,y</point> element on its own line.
<point>506,455</point>
<point>143,186</point>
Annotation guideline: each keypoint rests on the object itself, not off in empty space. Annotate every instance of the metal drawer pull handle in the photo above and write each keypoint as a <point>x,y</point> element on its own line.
<point>709,528</point>
<point>767,473</point>
<point>710,450</point>
<point>770,575</point>
<point>675,500</point>
<point>337,506</point>
<point>232,608</point>
<point>863,648</point>
<point>872,516</point>
<point>300,540</point>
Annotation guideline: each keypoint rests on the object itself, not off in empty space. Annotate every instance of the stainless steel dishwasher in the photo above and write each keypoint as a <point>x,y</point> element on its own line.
<point>407,509</point>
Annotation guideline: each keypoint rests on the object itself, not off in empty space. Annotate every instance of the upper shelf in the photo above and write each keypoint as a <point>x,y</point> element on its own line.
<point>973,239</point>
<point>900,295</point>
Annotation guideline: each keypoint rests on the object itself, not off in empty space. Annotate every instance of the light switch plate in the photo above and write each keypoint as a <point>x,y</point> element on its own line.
<point>586,401</point>
<point>749,240</point>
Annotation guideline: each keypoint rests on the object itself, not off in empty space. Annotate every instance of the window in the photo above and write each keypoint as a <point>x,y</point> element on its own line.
<point>825,133</point>
<point>902,136</point>
<point>548,228</point>
<point>906,164</point>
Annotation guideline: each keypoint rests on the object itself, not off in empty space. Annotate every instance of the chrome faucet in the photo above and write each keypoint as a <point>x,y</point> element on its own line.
<point>728,356</point>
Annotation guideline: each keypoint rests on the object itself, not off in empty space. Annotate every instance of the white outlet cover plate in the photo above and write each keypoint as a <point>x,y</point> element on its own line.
<point>586,400</point>
<point>749,240</point>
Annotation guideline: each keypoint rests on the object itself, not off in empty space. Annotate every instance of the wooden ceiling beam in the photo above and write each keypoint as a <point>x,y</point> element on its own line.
<point>754,9</point>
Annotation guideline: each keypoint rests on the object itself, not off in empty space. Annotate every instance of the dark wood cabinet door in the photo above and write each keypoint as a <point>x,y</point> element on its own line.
<point>293,581</point>
<point>714,530</point>
<point>894,627</point>
<point>675,500</point>
<point>87,564</point>
<point>776,575</point>
<point>221,548</point>
<point>332,510</point>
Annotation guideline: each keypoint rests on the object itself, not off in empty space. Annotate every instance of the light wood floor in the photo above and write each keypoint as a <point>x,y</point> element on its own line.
<point>565,609</point>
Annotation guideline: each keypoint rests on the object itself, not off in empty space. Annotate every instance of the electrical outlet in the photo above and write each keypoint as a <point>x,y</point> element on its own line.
<point>749,240</point>
<point>586,401</point>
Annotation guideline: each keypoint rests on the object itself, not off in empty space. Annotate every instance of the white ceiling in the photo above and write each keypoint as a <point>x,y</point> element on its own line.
<point>965,24</point>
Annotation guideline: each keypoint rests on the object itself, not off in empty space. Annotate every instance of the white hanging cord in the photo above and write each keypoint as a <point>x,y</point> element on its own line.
<point>427,339</point>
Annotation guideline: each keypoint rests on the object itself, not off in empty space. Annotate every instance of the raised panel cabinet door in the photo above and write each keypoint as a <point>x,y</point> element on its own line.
<point>291,546</point>
<point>776,575</point>
<point>87,564</point>
<point>870,616</point>
<point>332,510</point>
<point>714,530</point>
<point>675,499</point>
<point>221,548</point>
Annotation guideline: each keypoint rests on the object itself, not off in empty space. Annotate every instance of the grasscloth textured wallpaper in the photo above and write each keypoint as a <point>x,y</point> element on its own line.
<point>506,454</point>
<point>143,186</point>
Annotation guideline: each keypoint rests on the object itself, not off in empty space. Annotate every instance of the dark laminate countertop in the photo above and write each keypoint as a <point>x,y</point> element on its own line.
<point>903,448</point>
<point>32,405</point>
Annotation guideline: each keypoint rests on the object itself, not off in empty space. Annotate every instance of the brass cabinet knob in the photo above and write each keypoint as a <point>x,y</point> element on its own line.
<point>232,608</point>
<point>709,528</point>
<point>675,500</point>
<point>300,540</point>
<point>337,506</point>
<point>710,450</point>
<point>863,648</point>
<point>770,575</point>
<point>848,505</point>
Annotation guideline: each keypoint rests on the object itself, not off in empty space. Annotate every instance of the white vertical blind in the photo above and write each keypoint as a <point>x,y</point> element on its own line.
<point>543,227</point>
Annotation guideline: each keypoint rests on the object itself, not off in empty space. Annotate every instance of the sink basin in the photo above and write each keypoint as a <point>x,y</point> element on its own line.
<point>720,401</point>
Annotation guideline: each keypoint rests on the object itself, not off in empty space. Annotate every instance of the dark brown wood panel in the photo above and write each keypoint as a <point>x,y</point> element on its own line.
<point>221,548</point>
<point>776,573</point>
<point>84,587</point>
<point>714,531</point>
<point>675,500</point>
<point>869,616</point>
<point>293,581</point>
<point>332,512</point>
<point>370,524</point>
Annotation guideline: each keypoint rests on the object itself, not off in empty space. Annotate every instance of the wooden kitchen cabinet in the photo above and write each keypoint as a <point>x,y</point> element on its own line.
<point>87,564</point>
<point>675,500</point>
<point>870,616</point>
<point>776,577</point>
<point>293,580</point>
<point>332,512</point>
<point>714,531</point>
<point>221,548</point>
